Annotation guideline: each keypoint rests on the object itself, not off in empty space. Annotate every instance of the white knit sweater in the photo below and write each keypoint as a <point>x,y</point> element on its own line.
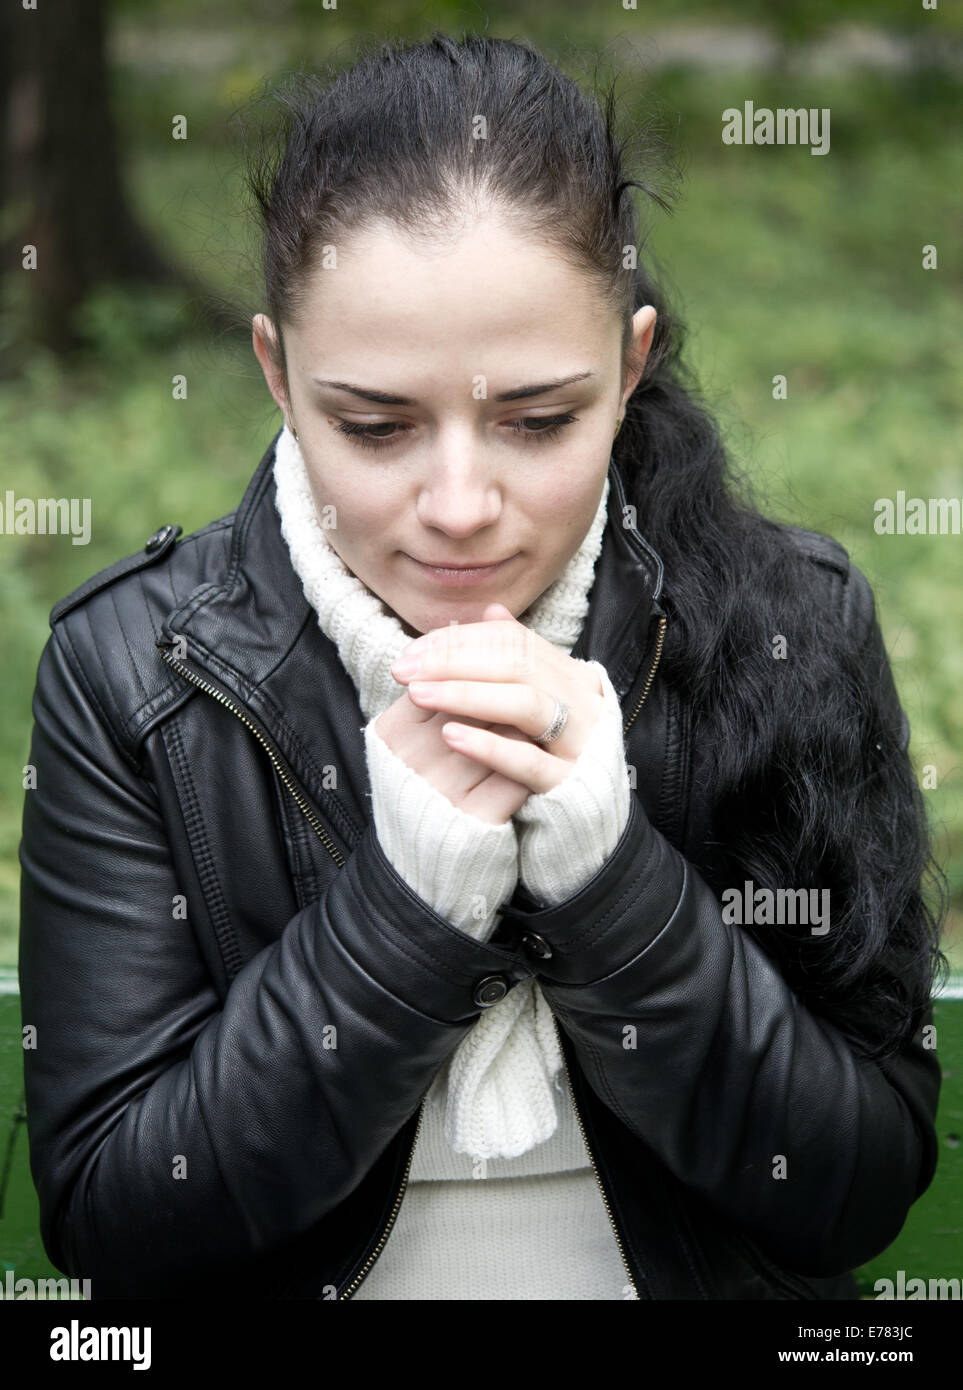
<point>499,1097</point>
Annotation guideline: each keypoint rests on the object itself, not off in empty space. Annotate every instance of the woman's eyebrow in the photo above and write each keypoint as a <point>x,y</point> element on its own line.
<point>386,398</point>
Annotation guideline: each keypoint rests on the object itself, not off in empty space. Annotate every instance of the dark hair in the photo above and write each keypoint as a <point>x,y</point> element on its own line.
<point>812,785</point>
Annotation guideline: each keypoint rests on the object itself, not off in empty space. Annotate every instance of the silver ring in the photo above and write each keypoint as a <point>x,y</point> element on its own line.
<point>558,723</point>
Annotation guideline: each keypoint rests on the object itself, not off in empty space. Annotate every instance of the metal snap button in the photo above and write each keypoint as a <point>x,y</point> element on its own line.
<point>536,945</point>
<point>490,990</point>
<point>158,539</point>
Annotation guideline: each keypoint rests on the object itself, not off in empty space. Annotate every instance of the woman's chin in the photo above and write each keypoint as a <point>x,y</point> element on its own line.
<point>430,621</point>
<point>467,611</point>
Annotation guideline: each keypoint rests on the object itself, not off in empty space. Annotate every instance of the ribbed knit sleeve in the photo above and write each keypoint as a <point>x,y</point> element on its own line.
<point>565,835</point>
<point>463,867</point>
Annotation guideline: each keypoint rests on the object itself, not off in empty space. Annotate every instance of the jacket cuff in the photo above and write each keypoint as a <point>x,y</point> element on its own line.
<point>615,916</point>
<point>464,867</point>
<point>413,952</point>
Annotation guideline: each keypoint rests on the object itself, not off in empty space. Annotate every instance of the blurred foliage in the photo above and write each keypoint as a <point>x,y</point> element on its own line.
<point>795,19</point>
<point>118,325</point>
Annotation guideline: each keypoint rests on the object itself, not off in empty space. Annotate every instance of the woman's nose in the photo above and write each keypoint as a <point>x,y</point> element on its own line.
<point>459,497</point>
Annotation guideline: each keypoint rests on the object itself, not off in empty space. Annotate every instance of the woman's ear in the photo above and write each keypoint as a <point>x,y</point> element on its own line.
<point>264,339</point>
<point>643,327</point>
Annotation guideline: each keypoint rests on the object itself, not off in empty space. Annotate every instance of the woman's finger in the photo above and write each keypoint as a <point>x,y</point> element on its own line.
<point>529,710</point>
<point>475,651</point>
<point>518,759</point>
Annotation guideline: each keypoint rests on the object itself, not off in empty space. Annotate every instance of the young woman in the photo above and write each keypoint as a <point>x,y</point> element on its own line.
<point>487,863</point>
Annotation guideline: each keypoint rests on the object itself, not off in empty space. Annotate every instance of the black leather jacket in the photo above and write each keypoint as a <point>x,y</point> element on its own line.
<point>204,894</point>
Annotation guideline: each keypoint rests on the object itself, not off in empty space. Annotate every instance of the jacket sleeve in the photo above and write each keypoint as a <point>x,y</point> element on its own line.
<point>179,1136</point>
<point>688,1032</point>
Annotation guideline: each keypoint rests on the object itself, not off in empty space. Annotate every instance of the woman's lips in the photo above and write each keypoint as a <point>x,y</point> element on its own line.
<point>458,578</point>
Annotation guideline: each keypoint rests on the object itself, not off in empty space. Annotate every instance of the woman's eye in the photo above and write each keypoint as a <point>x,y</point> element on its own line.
<point>364,434</point>
<point>549,426</point>
<point>546,427</point>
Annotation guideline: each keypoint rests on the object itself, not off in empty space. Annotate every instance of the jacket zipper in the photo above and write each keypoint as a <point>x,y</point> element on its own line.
<point>376,1251</point>
<point>598,1176</point>
<point>268,746</point>
<point>650,677</point>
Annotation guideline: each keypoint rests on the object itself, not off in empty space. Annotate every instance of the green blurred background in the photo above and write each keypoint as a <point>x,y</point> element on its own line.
<point>780,262</point>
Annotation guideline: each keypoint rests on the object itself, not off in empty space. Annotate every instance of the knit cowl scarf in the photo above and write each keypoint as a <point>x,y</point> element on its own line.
<point>500,1085</point>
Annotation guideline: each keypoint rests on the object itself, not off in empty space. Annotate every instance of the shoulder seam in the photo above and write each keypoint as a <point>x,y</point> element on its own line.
<point>130,564</point>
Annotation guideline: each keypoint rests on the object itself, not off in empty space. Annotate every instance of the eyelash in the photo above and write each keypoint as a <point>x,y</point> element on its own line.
<point>359,434</point>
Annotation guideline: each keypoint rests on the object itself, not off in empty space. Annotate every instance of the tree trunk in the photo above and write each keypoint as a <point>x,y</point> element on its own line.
<point>60,169</point>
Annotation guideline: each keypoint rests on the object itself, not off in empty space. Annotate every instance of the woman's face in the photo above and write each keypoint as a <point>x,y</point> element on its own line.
<point>481,349</point>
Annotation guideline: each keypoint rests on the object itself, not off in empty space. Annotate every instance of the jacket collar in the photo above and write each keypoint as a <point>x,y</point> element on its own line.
<point>254,634</point>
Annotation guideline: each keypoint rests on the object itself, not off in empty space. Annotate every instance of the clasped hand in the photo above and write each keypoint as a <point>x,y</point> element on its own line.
<point>499,679</point>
